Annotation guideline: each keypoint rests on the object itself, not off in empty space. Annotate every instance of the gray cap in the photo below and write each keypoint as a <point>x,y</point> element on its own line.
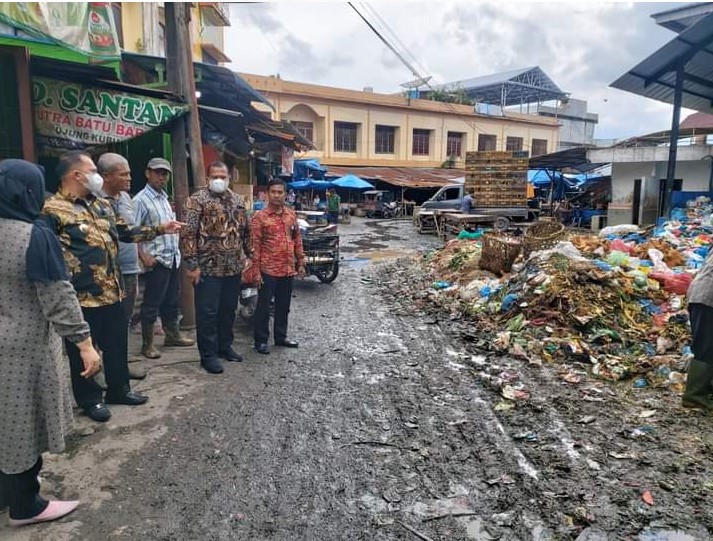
<point>159,163</point>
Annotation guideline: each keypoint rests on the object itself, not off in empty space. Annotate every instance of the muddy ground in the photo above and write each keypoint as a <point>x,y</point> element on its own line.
<point>386,423</point>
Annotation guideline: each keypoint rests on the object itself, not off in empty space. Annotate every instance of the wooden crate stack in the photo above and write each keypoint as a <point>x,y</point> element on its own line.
<point>499,179</point>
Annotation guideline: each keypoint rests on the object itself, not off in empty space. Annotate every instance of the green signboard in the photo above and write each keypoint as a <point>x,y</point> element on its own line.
<point>74,116</point>
<point>83,26</point>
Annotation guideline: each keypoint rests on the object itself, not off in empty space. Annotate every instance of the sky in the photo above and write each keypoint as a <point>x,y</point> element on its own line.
<point>583,47</point>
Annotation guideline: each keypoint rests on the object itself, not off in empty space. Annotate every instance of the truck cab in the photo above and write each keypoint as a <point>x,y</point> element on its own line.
<point>446,198</point>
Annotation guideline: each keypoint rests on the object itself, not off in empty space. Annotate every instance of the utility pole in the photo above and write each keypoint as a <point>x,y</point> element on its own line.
<point>185,131</point>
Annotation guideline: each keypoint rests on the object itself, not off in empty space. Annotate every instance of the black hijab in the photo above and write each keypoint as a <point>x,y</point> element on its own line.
<point>22,194</point>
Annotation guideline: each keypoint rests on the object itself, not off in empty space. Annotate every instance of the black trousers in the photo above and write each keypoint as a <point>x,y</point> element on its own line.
<point>161,295</point>
<point>279,288</point>
<point>216,302</point>
<point>701,318</point>
<point>108,326</point>
<point>21,492</point>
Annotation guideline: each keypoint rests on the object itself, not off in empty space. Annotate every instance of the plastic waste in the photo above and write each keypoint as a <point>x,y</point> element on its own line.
<point>508,301</point>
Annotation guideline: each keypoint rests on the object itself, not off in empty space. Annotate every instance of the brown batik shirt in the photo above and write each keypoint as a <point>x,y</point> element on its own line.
<point>216,237</point>
<point>89,232</point>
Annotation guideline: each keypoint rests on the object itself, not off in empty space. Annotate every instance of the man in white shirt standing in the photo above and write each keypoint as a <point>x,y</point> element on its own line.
<point>161,258</point>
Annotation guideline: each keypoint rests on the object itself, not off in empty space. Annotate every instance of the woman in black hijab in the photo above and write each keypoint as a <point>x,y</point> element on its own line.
<point>38,305</point>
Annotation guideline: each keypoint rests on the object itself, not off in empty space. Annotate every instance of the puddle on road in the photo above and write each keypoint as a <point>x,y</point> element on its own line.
<point>356,262</point>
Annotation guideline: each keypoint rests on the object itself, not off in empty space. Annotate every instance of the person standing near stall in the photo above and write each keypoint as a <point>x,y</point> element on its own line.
<point>216,247</point>
<point>38,305</point>
<point>699,382</point>
<point>161,257</point>
<point>89,231</point>
<point>277,250</point>
<point>334,203</point>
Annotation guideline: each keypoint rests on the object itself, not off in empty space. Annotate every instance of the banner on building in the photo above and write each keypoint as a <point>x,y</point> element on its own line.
<point>87,27</point>
<point>74,116</point>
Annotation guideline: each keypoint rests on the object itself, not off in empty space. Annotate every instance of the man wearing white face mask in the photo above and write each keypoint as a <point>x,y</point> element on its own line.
<point>161,258</point>
<point>89,231</point>
<point>215,247</point>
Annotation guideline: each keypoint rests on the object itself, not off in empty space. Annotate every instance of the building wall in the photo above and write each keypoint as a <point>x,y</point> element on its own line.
<point>694,173</point>
<point>143,25</point>
<point>323,106</point>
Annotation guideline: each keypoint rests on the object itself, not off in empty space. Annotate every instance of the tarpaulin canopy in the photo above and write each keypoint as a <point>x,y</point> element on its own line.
<point>309,184</point>
<point>353,182</point>
<point>308,168</point>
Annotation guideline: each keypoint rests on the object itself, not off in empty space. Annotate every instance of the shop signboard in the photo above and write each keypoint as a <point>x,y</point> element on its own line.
<point>74,116</point>
<point>87,27</point>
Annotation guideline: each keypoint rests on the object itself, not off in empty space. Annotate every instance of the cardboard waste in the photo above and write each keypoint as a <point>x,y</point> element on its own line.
<point>615,301</point>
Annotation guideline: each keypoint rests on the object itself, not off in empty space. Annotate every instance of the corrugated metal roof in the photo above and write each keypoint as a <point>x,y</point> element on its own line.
<point>406,177</point>
<point>514,87</point>
<point>655,77</point>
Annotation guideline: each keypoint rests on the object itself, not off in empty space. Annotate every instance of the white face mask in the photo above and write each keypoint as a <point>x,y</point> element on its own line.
<point>94,182</point>
<point>218,185</point>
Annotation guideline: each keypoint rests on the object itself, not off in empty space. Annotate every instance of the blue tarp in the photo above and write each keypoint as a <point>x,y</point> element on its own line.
<point>352,181</point>
<point>308,184</point>
<point>308,169</point>
<point>541,177</point>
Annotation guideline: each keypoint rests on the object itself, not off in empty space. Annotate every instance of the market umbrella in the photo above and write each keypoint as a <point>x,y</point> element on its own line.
<point>352,181</point>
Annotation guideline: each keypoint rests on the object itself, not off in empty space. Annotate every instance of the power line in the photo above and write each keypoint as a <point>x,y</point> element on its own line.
<point>406,63</point>
<point>372,10</point>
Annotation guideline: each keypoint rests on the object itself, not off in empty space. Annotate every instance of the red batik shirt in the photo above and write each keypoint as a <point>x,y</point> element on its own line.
<point>277,242</point>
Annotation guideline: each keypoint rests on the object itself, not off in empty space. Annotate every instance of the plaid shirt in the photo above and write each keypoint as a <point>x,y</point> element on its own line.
<point>152,208</point>
<point>216,238</point>
<point>277,242</point>
<point>89,233</point>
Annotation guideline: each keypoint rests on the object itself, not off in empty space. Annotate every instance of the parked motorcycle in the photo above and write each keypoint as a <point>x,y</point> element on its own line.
<point>321,248</point>
<point>391,210</point>
<point>247,303</point>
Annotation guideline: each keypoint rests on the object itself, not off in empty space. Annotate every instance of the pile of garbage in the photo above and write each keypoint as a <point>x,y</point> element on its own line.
<point>615,301</point>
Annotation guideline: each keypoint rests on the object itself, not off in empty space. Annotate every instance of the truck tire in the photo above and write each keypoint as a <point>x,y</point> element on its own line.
<point>501,223</point>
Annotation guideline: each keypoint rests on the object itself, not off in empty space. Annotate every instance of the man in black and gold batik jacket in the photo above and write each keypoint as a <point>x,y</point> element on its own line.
<point>89,232</point>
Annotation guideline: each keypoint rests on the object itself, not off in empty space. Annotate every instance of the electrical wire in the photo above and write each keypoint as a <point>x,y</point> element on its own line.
<point>411,68</point>
<point>373,13</point>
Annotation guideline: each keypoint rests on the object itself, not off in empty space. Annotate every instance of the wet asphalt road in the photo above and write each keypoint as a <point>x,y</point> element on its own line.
<point>300,444</point>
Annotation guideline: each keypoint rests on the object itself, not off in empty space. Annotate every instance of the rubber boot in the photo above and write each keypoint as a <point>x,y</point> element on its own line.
<point>147,348</point>
<point>174,338</point>
<point>699,385</point>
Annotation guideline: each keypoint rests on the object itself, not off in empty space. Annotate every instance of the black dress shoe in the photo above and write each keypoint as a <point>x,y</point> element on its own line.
<point>231,356</point>
<point>212,365</point>
<point>98,412</point>
<point>130,398</point>
<point>287,343</point>
<point>262,348</point>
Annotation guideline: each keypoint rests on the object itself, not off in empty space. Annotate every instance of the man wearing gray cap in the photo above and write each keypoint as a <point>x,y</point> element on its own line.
<point>161,258</point>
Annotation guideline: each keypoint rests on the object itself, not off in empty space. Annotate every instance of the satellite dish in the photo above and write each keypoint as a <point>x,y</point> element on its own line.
<point>421,81</point>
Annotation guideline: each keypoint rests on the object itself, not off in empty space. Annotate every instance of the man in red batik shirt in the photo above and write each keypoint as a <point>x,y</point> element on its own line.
<point>277,250</point>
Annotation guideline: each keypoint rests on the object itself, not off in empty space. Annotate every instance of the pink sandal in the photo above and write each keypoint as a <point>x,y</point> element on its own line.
<point>55,510</point>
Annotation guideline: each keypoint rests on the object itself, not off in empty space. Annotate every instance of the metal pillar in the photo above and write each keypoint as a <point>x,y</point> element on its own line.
<point>673,140</point>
